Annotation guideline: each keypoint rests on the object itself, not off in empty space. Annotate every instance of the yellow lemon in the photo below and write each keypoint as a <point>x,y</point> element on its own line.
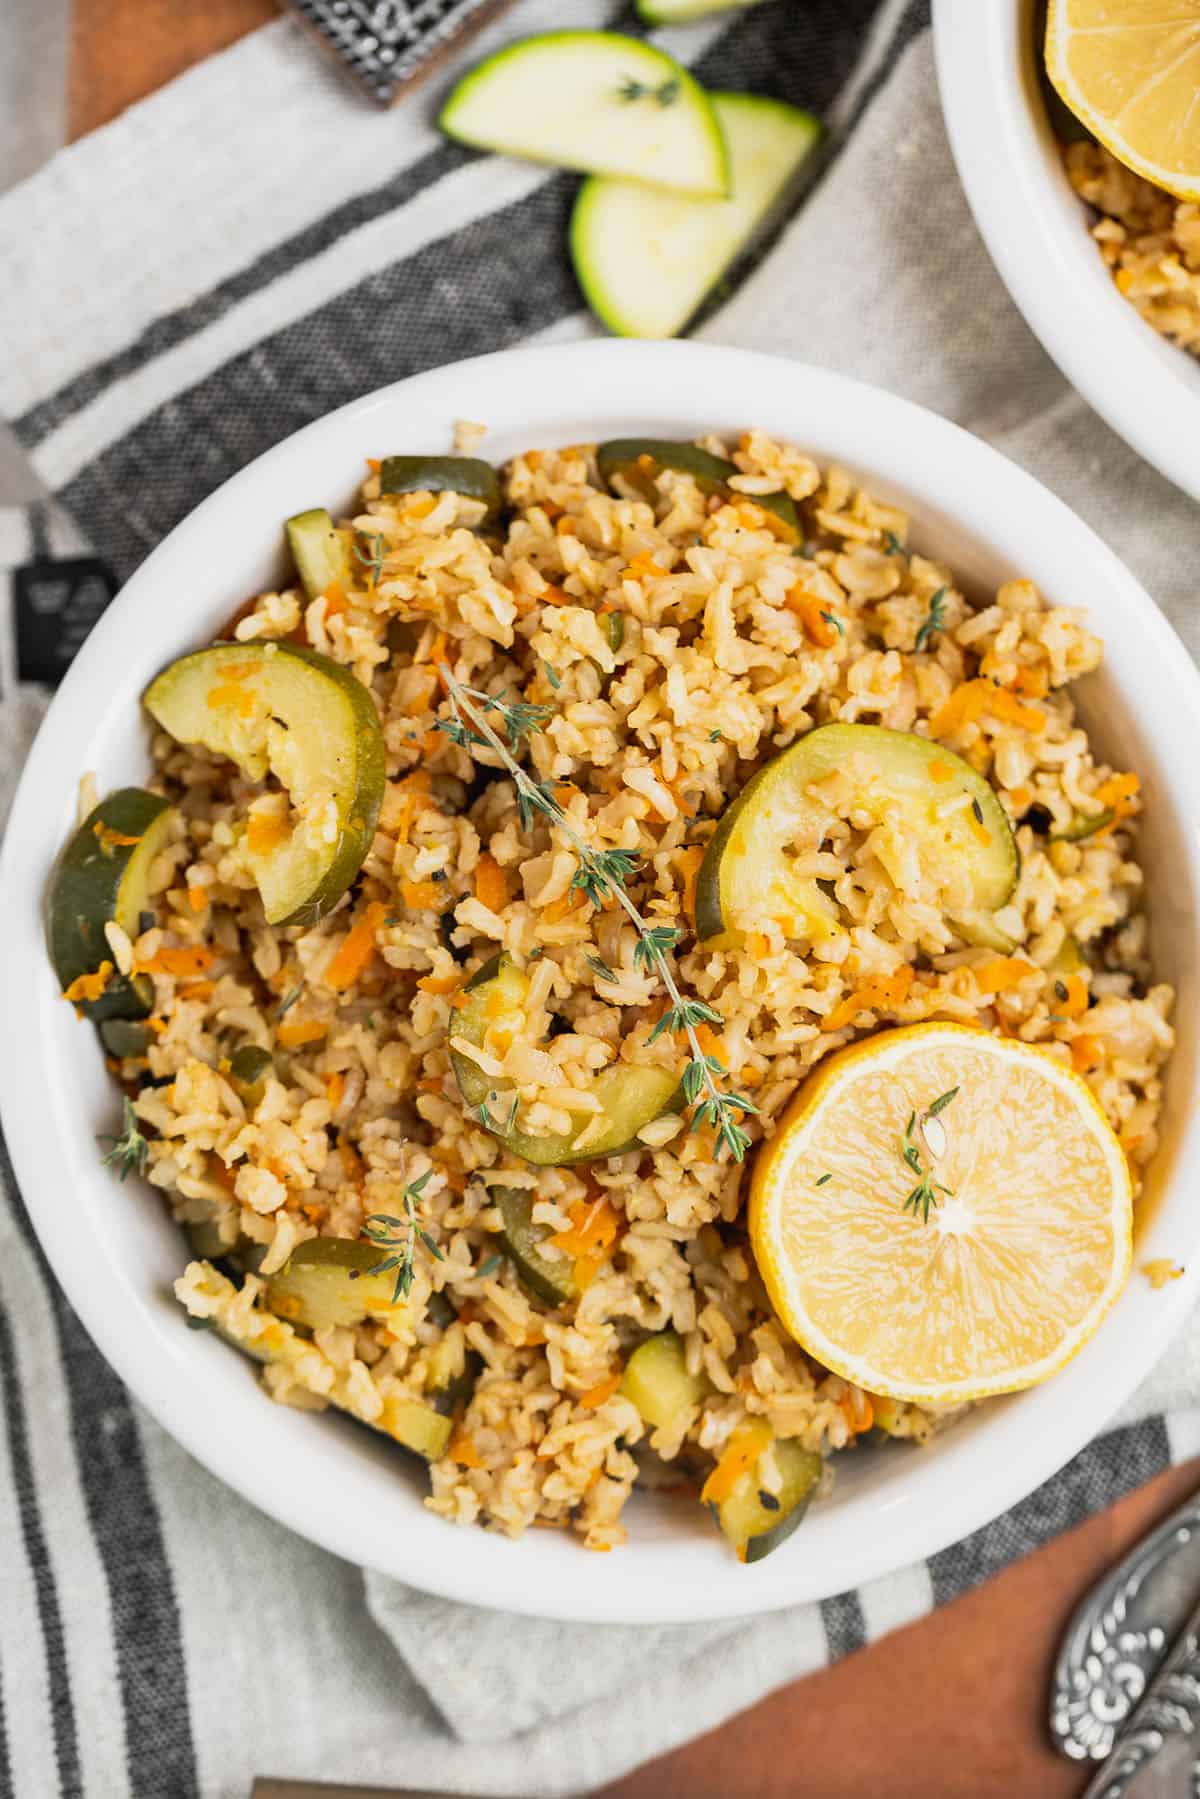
<point>1130,69</point>
<point>942,1214</point>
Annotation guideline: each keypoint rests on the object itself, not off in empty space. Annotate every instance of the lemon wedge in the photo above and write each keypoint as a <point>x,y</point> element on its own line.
<point>1130,69</point>
<point>941,1249</point>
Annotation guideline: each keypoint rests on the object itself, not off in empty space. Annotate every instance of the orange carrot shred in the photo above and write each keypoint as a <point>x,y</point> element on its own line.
<point>357,948</point>
<point>596,1396</point>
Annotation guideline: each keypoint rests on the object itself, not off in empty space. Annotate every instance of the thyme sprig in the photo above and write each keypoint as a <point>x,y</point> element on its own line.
<point>935,619</point>
<point>601,875</point>
<point>130,1150</point>
<point>925,1195</point>
<point>401,1235</point>
<point>372,559</point>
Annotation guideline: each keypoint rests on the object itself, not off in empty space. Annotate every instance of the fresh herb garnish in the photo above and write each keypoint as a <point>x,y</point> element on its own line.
<point>400,1235</point>
<point>200,1324</point>
<point>552,675</point>
<point>601,875</point>
<point>666,93</point>
<point>373,559</point>
<point>289,1000</point>
<point>599,967</point>
<point>892,545</point>
<point>925,1195</point>
<point>821,1180</point>
<point>489,1267</point>
<point>1060,991</point>
<point>935,620</point>
<point>714,737</point>
<point>130,1150</point>
<point>831,618</point>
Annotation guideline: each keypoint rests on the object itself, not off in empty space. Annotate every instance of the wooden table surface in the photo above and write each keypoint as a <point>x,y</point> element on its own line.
<point>950,1708</point>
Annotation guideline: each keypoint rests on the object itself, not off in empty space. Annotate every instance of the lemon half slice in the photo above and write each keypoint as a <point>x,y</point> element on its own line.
<point>1028,1234</point>
<point>1130,69</point>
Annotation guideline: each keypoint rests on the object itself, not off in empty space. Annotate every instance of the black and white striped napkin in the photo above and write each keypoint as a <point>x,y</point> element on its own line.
<point>231,259</point>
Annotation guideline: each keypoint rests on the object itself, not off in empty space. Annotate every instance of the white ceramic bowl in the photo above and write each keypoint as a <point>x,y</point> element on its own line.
<point>115,1250</point>
<point>1036,229</point>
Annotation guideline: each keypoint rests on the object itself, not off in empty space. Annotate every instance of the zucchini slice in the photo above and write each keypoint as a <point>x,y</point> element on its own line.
<point>467,475</point>
<point>922,796</point>
<point>306,719</point>
<point>645,257</point>
<point>757,1522</point>
<point>453,1372</point>
<point>682,12</point>
<point>328,1280</point>
<point>1082,825</point>
<point>596,101</point>
<point>417,1427</point>
<point>102,877</point>
<point>551,1282</point>
<point>639,460</point>
<point>124,1037</point>
<point>248,1071</point>
<point>657,1381</point>
<point>320,552</point>
<point>630,1094</point>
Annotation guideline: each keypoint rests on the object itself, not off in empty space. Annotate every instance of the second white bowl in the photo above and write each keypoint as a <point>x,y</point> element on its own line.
<point>1036,229</point>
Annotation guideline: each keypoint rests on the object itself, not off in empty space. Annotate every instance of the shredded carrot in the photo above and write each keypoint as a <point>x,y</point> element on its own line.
<point>264,831</point>
<point>293,1032</point>
<point>420,895</point>
<point>352,1162</point>
<point>335,600</point>
<point>1021,798</point>
<point>491,887</point>
<point>750,515</point>
<point>196,990</point>
<point>758,945</point>
<point>462,1450</point>
<point>1086,1052</point>
<point>981,831</point>
<point>688,862</point>
<point>856,1408</point>
<point>534,458</point>
<point>878,994</point>
<point>1118,788</point>
<point>1076,1002</point>
<point>972,699</point>
<point>86,987</point>
<point>110,840</point>
<point>438,983</point>
<point>335,1088</point>
<point>594,1226</point>
<point>741,1454</point>
<point>1034,683</point>
<point>197,898</point>
<point>643,567</point>
<point>708,1040</point>
<point>940,771</point>
<point>752,1076</point>
<point>585,1271</point>
<point>816,615</point>
<point>357,948</point>
<point>558,909</point>
<point>191,959</point>
<point>603,1390</point>
<point>1002,973</point>
<point>420,505</point>
<point>228,696</point>
<point>374,464</point>
<point>566,527</point>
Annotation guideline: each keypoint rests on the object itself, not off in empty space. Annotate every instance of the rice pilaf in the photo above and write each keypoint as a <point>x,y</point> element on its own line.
<point>733,643</point>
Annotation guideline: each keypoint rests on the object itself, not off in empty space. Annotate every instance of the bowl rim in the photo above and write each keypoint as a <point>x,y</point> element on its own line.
<point>1143,386</point>
<point>270,1455</point>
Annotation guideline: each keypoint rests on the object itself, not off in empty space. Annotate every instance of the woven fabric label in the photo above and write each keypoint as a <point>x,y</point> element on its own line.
<point>56,602</point>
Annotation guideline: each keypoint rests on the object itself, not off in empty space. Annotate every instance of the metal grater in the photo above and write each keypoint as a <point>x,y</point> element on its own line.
<point>386,43</point>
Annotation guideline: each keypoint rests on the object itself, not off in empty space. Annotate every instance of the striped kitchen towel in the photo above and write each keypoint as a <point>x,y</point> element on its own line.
<point>228,261</point>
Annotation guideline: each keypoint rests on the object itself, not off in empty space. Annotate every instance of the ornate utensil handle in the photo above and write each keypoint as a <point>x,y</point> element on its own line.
<point>1118,1638</point>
